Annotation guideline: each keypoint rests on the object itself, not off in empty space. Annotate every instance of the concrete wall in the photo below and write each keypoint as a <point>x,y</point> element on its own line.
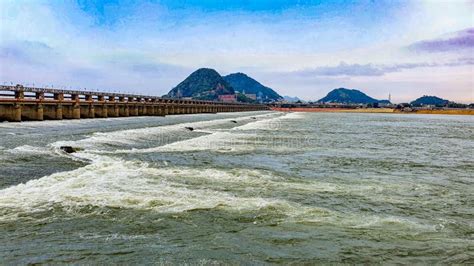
<point>10,112</point>
<point>60,109</point>
<point>53,111</point>
<point>32,112</point>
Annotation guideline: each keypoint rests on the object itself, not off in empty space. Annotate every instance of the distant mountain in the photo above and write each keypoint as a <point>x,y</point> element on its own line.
<point>243,83</point>
<point>202,84</point>
<point>352,96</point>
<point>429,100</point>
<point>291,99</point>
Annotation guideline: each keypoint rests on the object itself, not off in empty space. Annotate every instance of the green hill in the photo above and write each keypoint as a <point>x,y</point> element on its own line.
<point>429,100</point>
<point>350,96</point>
<point>243,83</point>
<point>202,84</point>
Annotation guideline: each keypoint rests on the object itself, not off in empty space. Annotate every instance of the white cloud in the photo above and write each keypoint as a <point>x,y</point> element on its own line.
<point>152,48</point>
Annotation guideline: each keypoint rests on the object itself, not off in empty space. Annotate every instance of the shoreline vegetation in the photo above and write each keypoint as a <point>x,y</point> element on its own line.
<point>375,110</point>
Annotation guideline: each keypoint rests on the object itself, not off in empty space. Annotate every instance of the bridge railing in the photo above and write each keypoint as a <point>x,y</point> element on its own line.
<point>22,92</point>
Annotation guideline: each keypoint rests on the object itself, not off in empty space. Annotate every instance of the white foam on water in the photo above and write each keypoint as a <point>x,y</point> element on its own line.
<point>130,136</point>
<point>398,225</point>
<point>115,236</point>
<point>65,122</point>
<point>221,140</point>
<point>30,150</point>
<point>217,141</point>
<point>224,140</point>
<point>108,182</point>
<point>392,222</point>
<point>119,184</point>
<point>274,123</point>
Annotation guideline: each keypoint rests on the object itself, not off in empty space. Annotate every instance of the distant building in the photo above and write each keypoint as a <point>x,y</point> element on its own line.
<point>229,98</point>
<point>251,96</point>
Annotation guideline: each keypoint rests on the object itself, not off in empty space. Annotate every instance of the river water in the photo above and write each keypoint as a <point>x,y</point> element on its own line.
<point>256,187</point>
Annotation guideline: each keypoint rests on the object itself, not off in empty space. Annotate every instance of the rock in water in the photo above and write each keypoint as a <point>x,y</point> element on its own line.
<point>189,128</point>
<point>233,121</point>
<point>68,149</point>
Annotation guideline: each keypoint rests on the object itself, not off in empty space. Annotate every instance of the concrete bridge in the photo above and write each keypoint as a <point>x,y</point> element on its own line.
<point>19,103</point>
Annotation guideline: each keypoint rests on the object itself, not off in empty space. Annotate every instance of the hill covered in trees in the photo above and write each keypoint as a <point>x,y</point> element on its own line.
<point>429,100</point>
<point>349,96</point>
<point>245,84</point>
<point>202,84</point>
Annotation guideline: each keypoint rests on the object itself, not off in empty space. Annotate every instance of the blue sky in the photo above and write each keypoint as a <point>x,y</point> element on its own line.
<point>300,48</point>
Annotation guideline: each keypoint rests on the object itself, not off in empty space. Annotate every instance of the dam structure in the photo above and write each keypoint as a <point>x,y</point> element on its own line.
<point>19,103</point>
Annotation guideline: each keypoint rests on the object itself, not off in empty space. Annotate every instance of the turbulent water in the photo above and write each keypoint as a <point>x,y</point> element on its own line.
<point>258,187</point>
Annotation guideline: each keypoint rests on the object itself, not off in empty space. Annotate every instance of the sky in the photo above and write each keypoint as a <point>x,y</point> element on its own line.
<point>299,48</point>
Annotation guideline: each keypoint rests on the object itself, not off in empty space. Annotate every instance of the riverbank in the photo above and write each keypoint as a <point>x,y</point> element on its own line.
<point>375,110</point>
<point>330,110</point>
<point>443,112</point>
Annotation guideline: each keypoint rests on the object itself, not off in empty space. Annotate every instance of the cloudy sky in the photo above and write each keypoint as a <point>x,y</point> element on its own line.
<point>300,48</point>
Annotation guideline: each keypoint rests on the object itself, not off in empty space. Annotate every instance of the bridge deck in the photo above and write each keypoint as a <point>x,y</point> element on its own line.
<point>18,103</point>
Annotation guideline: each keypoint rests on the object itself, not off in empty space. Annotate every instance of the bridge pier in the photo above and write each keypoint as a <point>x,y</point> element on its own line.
<point>87,111</point>
<point>133,110</point>
<point>101,111</point>
<point>72,111</point>
<point>32,112</point>
<point>123,110</point>
<point>53,111</point>
<point>149,110</point>
<point>10,112</point>
<point>112,110</point>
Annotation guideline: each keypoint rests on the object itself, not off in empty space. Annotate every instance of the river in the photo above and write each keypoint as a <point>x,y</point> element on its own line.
<point>245,188</point>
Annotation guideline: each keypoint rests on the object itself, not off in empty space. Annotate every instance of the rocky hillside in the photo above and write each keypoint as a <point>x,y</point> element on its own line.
<point>202,84</point>
<point>429,100</point>
<point>350,96</point>
<point>243,83</point>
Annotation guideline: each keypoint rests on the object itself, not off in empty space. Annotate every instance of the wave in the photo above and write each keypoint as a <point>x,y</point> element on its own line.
<point>214,138</point>
<point>112,183</point>
<point>216,141</point>
<point>238,139</point>
<point>124,184</point>
<point>131,136</point>
<point>31,150</point>
<point>118,184</point>
<point>275,123</point>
